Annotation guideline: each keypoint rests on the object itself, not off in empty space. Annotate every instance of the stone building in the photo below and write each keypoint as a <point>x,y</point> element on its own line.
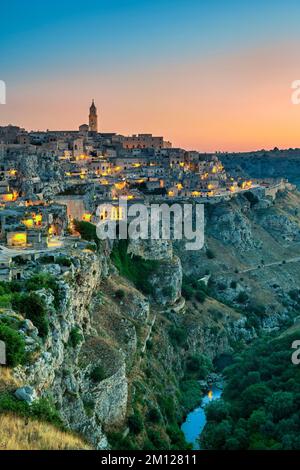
<point>141,141</point>
<point>93,118</point>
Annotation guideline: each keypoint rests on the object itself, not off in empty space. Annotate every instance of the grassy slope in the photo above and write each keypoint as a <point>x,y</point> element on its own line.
<point>22,434</point>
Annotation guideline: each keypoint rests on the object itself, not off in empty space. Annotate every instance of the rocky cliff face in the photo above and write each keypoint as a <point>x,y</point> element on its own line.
<point>251,253</point>
<point>111,349</point>
<point>167,279</point>
<point>273,164</point>
<point>59,369</point>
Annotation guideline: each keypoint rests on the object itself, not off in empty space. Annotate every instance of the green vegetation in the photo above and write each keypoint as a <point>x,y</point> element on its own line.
<point>252,198</point>
<point>192,288</point>
<point>135,422</point>
<point>187,291</point>
<point>260,407</point>
<point>87,231</point>
<point>33,307</point>
<point>210,254</point>
<point>97,374</point>
<point>134,268</point>
<point>44,281</point>
<point>21,297</point>
<point>190,394</point>
<point>154,415</point>
<point>120,294</point>
<point>75,337</point>
<point>242,297</point>
<point>198,366</point>
<point>178,336</point>
<point>42,409</point>
<point>46,259</point>
<point>157,439</point>
<point>15,345</point>
<point>91,247</point>
<point>89,407</point>
<point>63,261</point>
<point>200,295</point>
<point>119,442</point>
<point>176,437</point>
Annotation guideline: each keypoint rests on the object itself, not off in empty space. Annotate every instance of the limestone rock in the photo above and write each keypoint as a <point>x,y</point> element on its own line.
<point>27,394</point>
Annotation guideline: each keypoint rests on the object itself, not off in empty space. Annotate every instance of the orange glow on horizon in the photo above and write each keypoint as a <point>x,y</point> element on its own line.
<point>234,101</point>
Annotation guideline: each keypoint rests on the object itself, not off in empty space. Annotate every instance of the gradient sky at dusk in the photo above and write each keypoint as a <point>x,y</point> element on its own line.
<point>208,75</point>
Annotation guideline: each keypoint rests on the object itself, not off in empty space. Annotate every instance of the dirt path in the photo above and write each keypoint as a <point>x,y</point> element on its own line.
<point>295,259</point>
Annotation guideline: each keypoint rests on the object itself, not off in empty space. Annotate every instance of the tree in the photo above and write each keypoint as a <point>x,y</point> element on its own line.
<point>135,423</point>
<point>216,411</point>
<point>33,307</point>
<point>198,365</point>
<point>280,404</point>
<point>253,396</point>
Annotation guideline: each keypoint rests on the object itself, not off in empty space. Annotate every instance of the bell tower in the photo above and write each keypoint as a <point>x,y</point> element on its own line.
<point>93,118</point>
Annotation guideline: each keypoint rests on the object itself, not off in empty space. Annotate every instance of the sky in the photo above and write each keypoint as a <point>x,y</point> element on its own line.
<point>208,75</point>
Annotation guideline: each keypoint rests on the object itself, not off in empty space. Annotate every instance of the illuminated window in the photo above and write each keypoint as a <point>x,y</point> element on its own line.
<point>117,213</point>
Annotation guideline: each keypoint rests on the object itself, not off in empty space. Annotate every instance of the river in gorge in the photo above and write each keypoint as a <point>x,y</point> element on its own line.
<point>196,419</point>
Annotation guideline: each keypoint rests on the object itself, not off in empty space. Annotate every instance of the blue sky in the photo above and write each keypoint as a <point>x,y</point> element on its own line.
<point>36,36</point>
<point>117,51</point>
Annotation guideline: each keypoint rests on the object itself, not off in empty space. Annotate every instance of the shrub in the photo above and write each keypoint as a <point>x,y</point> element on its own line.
<point>217,411</point>
<point>210,254</point>
<point>198,365</point>
<point>14,286</point>
<point>222,286</point>
<point>91,247</point>
<point>135,423</point>
<point>158,439</point>
<point>177,438</point>
<point>256,308</point>
<point>15,345</point>
<point>97,374</point>
<point>252,198</point>
<point>167,406</point>
<point>294,294</point>
<point>190,394</point>
<point>75,337</point>
<point>148,445</point>
<point>32,306</point>
<point>149,345</point>
<point>5,300</point>
<point>242,297</point>
<point>154,415</point>
<point>63,261</point>
<point>4,289</point>
<point>187,292</point>
<point>45,281</point>
<point>9,403</point>
<point>89,407</point>
<point>200,295</point>
<point>223,360</point>
<point>42,409</point>
<point>119,442</point>
<point>233,284</point>
<point>120,294</point>
<point>46,259</point>
<point>178,336</point>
